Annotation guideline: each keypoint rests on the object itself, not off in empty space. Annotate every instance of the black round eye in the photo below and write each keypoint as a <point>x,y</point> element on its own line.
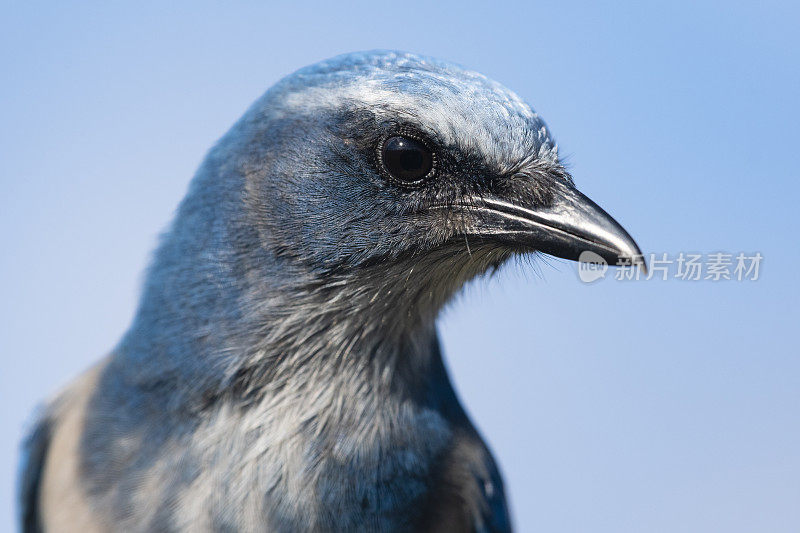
<point>406,159</point>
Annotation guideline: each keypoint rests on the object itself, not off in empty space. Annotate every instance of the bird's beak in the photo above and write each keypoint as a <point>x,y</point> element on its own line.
<point>570,225</point>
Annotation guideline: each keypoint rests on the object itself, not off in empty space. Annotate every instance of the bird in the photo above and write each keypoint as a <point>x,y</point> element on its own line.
<point>283,371</point>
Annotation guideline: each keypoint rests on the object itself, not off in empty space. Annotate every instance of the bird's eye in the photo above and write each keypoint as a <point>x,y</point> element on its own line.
<point>406,159</point>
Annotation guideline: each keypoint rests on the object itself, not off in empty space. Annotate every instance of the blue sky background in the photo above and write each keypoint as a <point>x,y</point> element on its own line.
<point>612,407</point>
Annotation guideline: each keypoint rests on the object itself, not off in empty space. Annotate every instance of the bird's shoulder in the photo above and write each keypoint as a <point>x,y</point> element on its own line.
<point>34,451</point>
<point>470,494</point>
<point>49,482</point>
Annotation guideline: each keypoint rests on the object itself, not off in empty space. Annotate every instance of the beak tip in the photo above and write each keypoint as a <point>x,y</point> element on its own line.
<point>632,255</point>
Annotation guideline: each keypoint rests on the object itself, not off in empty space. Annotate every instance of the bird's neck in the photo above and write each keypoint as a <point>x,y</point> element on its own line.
<point>343,333</point>
<point>244,341</point>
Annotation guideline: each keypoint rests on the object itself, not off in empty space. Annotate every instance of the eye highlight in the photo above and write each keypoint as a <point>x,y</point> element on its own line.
<point>406,159</point>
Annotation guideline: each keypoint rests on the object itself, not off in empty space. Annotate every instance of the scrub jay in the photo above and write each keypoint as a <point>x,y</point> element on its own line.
<point>282,371</point>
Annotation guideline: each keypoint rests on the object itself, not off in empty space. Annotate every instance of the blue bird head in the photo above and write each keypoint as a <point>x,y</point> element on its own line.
<point>374,156</point>
<point>401,172</point>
